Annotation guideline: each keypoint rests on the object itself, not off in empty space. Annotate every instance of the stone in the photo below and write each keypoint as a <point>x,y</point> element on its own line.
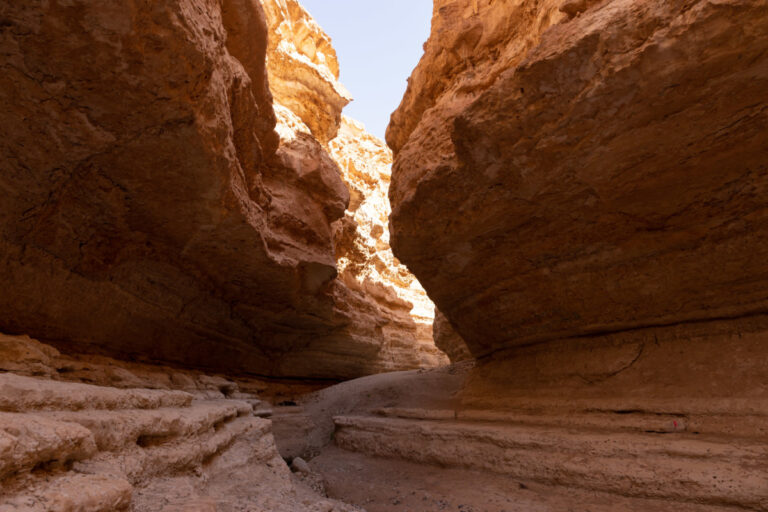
<point>559,176</point>
<point>627,465</point>
<point>304,69</point>
<point>300,465</point>
<point>449,341</point>
<point>19,394</point>
<point>382,317</point>
<point>25,356</point>
<point>75,493</point>
<point>26,442</point>
<point>144,200</point>
<point>77,447</point>
<point>557,419</point>
<point>148,202</point>
<point>579,186</point>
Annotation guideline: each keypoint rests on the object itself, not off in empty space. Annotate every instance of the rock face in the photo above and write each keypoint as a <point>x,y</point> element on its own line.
<point>143,200</point>
<point>303,68</point>
<point>448,340</point>
<point>580,187</point>
<point>383,316</point>
<point>383,304</point>
<point>559,441</point>
<point>573,168</point>
<point>193,442</point>
<point>150,208</point>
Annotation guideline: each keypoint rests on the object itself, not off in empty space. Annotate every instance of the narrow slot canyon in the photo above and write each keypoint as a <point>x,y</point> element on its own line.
<point>543,289</point>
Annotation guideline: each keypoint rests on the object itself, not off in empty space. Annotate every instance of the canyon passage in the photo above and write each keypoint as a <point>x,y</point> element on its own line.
<point>547,290</point>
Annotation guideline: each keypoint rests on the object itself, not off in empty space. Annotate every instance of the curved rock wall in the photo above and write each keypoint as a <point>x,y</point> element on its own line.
<point>574,168</point>
<point>580,186</point>
<point>143,201</point>
<point>449,341</point>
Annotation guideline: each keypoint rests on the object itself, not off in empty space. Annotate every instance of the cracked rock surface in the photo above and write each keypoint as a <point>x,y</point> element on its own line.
<point>383,316</point>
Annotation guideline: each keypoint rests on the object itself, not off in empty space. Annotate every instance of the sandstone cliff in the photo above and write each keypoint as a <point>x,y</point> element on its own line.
<point>303,68</point>
<point>383,315</point>
<point>385,305</point>
<point>145,212</point>
<point>580,187</point>
<point>151,209</point>
<point>571,168</point>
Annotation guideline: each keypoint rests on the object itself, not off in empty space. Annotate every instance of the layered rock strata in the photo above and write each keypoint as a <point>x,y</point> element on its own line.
<point>152,211</point>
<point>576,452</point>
<point>579,187</point>
<point>552,447</point>
<point>144,202</point>
<point>192,442</point>
<point>383,316</point>
<point>387,312</point>
<point>304,69</point>
<point>573,168</point>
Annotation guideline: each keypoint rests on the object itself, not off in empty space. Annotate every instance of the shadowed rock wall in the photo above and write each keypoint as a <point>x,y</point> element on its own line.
<point>574,168</point>
<point>145,211</point>
<point>151,209</point>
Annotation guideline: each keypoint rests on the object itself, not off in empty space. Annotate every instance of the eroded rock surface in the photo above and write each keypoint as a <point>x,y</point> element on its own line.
<point>571,168</point>
<point>382,302</point>
<point>151,208</point>
<point>579,186</point>
<point>143,201</point>
<point>431,440</point>
<point>383,317</point>
<point>193,442</point>
<point>303,68</point>
<point>448,340</point>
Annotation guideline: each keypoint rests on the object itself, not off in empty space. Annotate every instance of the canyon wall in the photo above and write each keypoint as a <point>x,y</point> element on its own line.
<point>385,317</point>
<point>151,208</point>
<point>569,169</point>
<point>580,187</point>
<point>146,212</point>
<point>387,309</point>
<point>448,340</point>
<point>173,193</point>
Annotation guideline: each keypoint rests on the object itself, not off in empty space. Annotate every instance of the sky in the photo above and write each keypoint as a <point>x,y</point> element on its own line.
<point>378,45</point>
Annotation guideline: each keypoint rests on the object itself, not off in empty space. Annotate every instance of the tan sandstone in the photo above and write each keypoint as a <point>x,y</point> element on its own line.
<point>383,316</point>
<point>143,200</point>
<point>579,186</point>
<point>560,176</point>
<point>150,195</point>
<point>77,447</point>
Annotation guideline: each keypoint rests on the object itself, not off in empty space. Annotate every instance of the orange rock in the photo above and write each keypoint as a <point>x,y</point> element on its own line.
<point>449,341</point>
<point>383,318</point>
<point>556,177</point>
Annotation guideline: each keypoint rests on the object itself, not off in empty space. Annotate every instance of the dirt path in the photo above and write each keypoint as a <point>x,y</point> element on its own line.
<point>390,485</point>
